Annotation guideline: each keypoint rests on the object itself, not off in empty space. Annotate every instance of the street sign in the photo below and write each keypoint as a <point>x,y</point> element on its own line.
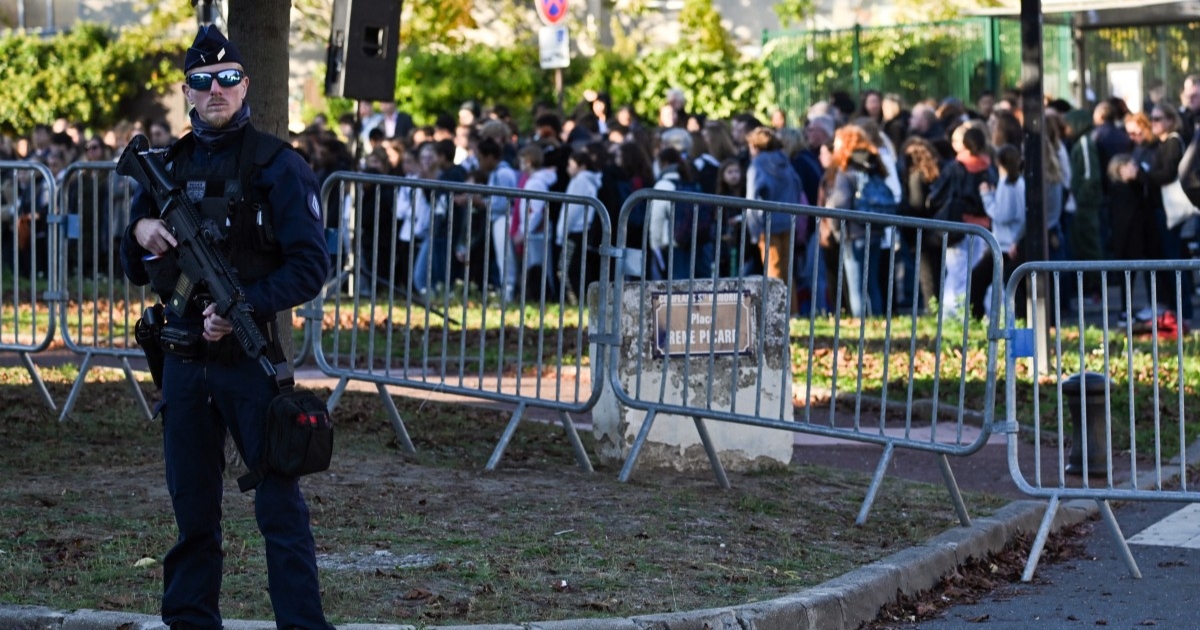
<point>554,44</point>
<point>552,12</point>
<point>702,323</point>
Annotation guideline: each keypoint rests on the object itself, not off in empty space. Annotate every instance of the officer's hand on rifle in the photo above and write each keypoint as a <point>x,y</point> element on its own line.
<point>154,236</point>
<point>215,326</point>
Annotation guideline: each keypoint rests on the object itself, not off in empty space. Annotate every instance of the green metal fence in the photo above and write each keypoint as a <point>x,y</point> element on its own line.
<point>957,58</point>
<point>1166,54</point>
<point>961,58</point>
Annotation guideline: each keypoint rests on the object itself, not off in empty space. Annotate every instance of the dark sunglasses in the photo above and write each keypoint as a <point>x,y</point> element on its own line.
<point>203,81</point>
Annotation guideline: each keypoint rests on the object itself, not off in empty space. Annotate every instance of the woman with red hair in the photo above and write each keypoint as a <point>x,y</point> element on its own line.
<point>854,159</point>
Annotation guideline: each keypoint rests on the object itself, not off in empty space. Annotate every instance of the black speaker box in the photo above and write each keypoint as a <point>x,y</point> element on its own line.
<point>363,41</point>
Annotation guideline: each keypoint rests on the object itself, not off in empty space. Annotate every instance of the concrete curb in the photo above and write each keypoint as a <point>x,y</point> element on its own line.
<point>842,603</point>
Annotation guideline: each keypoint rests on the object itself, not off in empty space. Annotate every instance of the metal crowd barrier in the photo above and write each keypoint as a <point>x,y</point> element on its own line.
<point>935,421</point>
<point>99,305</point>
<point>397,310</point>
<point>1105,341</point>
<point>29,281</point>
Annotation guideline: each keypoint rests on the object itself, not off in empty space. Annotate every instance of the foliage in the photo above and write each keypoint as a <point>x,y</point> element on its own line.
<point>435,23</point>
<point>793,11</point>
<point>716,84</point>
<point>434,82</point>
<point>86,74</point>
<point>700,24</point>
<point>716,79</point>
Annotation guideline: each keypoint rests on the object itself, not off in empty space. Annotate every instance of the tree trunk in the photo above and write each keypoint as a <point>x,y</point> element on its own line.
<point>260,28</point>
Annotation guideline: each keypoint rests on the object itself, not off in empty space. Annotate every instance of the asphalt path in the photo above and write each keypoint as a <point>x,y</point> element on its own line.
<point>1096,590</point>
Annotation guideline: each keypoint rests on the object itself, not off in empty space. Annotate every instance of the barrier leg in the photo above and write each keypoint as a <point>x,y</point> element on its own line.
<point>1039,543</point>
<point>1119,537</point>
<point>506,437</point>
<point>336,396</point>
<point>84,368</point>
<point>631,460</point>
<point>573,437</point>
<point>137,390</point>
<point>36,375</point>
<point>394,416</point>
<point>718,469</point>
<point>876,481</point>
<point>952,485</point>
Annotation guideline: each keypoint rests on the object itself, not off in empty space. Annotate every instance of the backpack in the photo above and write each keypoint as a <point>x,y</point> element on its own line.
<point>686,212</point>
<point>873,195</point>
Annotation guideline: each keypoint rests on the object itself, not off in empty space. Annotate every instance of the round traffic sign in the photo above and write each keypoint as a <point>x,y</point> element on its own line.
<point>552,12</point>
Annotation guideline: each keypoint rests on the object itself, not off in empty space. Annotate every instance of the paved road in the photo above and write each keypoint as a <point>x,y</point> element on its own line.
<point>1097,589</point>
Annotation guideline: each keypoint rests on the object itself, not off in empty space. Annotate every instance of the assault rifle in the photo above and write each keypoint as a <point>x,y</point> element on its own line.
<point>205,273</point>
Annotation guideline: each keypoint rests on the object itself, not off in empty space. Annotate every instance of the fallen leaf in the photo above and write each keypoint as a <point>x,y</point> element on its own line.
<point>145,562</point>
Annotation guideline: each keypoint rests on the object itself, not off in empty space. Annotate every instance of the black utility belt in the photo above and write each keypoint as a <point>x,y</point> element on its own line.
<point>182,343</point>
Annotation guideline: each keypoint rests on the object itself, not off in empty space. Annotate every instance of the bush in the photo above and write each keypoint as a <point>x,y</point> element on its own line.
<point>87,74</point>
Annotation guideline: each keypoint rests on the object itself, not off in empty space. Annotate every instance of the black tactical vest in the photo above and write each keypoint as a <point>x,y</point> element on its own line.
<point>224,194</point>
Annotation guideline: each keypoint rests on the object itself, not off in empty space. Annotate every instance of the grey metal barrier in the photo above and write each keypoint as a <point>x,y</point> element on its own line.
<point>99,306</point>
<point>927,350</point>
<point>1109,322</point>
<point>29,280</point>
<point>429,294</point>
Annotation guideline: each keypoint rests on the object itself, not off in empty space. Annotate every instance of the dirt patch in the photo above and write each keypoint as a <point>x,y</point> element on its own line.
<point>431,537</point>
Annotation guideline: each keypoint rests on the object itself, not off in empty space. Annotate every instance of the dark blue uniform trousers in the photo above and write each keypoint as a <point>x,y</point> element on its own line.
<point>202,398</point>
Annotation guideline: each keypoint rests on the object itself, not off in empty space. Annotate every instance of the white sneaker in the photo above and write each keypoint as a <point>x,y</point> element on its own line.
<point>1145,315</point>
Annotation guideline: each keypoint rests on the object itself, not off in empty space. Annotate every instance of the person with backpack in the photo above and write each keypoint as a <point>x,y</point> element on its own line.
<point>1005,206</point>
<point>858,181</point>
<point>955,197</point>
<point>771,178</point>
<point>531,222</point>
<point>576,223</point>
<point>668,258</point>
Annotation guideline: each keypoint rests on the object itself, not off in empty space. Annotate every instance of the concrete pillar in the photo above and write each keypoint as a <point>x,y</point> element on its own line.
<point>738,362</point>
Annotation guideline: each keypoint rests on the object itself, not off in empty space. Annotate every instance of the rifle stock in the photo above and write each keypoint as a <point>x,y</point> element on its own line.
<point>197,254</point>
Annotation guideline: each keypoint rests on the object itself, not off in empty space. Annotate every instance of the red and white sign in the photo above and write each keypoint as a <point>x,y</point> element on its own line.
<point>552,12</point>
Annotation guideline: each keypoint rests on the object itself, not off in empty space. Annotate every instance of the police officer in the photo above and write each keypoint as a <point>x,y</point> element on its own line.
<point>266,197</point>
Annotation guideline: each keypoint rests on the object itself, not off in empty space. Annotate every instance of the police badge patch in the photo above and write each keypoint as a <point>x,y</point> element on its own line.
<point>195,191</point>
<point>315,206</point>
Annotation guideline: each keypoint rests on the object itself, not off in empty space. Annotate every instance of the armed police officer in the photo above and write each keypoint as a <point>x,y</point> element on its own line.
<point>265,198</point>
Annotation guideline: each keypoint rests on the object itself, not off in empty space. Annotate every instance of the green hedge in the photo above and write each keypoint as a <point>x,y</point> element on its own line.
<point>429,83</point>
<point>88,74</point>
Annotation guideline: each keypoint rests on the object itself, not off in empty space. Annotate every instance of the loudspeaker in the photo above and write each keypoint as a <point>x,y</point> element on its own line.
<point>362,50</point>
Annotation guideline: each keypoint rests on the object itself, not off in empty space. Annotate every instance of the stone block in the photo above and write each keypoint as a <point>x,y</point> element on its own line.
<point>678,357</point>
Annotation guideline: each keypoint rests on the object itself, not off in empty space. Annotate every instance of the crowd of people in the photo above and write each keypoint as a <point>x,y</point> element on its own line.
<point>1104,169</point>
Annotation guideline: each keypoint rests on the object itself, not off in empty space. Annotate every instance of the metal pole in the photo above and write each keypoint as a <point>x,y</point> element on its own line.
<point>857,58</point>
<point>1033,106</point>
<point>1080,63</point>
<point>558,88</point>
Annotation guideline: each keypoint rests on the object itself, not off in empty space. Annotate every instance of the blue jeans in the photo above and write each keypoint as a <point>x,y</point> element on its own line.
<point>430,266</point>
<point>855,262</point>
<point>681,264</point>
<point>1171,241</point>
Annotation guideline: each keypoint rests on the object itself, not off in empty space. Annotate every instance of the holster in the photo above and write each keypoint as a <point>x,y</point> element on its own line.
<point>146,332</point>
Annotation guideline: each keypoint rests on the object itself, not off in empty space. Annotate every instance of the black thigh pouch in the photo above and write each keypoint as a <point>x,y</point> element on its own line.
<point>299,438</point>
